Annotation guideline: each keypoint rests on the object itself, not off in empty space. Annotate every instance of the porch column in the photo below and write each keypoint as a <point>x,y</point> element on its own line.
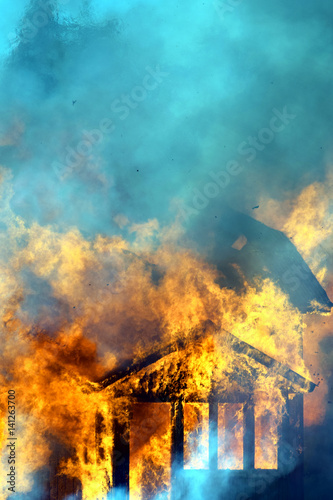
<point>177,446</point>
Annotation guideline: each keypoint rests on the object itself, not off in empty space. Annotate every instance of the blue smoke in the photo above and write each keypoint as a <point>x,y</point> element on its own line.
<point>224,71</point>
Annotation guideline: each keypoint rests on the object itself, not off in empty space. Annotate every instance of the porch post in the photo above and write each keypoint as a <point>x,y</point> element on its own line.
<point>248,443</point>
<point>177,446</point>
<point>121,454</point>
<point>213,434</point>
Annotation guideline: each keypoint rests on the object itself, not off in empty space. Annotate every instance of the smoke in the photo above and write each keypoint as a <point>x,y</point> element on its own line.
<point>222,79</point>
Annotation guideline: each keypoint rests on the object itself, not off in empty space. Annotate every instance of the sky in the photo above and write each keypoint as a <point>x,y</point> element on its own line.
<point>124,118</point>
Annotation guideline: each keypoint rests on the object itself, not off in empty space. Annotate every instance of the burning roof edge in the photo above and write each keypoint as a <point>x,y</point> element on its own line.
<point>240,346</point>
<point>128,368</point>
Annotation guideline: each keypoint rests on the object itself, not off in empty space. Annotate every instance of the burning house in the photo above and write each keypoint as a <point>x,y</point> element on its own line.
<point>220,408</point>
<point>158,342</point>
<point>231,425</point>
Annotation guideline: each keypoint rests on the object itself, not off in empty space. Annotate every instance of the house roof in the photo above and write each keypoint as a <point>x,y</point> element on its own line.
<point>264,252</point>
<point>130,368</point>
